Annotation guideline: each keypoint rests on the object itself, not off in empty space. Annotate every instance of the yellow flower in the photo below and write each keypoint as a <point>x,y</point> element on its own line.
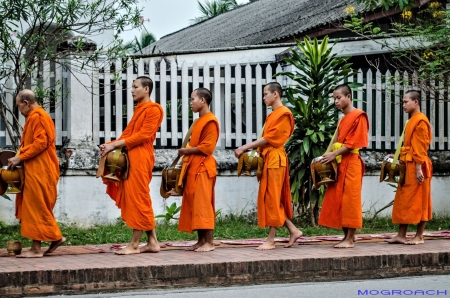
<point>437,14</point>
<point>427,55</point>
<point>350,10</point>
<point>407,14</point>
<point>434,5</point>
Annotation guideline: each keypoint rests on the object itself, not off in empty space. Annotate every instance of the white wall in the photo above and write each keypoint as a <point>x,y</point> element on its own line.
<point>82,199</point>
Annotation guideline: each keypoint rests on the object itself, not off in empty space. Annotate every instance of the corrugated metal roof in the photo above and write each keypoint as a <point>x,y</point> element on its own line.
<point>258,22</point>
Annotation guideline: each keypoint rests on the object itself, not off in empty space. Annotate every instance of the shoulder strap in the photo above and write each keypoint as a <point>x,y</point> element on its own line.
<point>253,153</point>
<point>185,141</point>
<point>399,146</point>
<point>334,135</point>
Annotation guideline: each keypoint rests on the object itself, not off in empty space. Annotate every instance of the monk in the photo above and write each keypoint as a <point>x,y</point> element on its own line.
<point>412,203</point>
<point>132,195</point>
<point>342,205</point>
<point>34,206</point>
<point>274,195</point>
<point>198,174</point>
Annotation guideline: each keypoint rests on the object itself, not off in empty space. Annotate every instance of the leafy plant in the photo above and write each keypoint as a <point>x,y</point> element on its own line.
<point>422,45</point>
<point>35,35</point>
<point>171,211</point>
<point>318,72</point>
<point>212,8</point>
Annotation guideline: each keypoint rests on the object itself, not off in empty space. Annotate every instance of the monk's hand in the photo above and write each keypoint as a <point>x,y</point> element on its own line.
<point>328,157</point>
<point>183,151</point>
<point>13,162</point>
<point>419,175</point>
<point>239,151</point>
<point>105,148</point>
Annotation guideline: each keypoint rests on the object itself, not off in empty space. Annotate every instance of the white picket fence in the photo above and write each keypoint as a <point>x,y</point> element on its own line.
<point>237,102</point>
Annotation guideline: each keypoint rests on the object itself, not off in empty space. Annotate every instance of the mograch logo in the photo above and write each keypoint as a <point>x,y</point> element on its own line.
<point>402,292</point>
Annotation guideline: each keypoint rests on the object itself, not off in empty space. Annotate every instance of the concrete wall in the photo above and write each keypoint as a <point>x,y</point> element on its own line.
<point>82,199</point>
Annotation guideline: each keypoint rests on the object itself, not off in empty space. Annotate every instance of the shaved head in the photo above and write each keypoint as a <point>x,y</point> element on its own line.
<point>27,95</point>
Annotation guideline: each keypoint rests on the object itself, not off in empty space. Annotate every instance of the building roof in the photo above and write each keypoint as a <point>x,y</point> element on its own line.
<point>256,23</point>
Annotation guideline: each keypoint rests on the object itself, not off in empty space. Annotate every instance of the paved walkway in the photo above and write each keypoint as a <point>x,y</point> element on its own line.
<point>97,272</point>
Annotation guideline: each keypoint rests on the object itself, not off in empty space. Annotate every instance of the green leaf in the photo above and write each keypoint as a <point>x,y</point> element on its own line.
<point>306,144</point>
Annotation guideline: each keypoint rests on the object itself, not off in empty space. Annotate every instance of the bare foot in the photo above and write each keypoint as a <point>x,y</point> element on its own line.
<point>129,250</point>
<point>150,248</point>
<point>55,245</point>
<point>345,244</point>
<point>293,237</point>
<point>195,246</point>
<point>31,254</point>
<point>205,247</point>
<point>396,240</point>
<point>266,246</point>
<point>416,240</point>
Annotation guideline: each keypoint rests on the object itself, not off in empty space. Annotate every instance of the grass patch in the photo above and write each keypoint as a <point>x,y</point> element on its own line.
<point>227,227</point>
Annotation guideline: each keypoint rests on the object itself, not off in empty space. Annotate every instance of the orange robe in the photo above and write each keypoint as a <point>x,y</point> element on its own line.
<point>342,205</point>
<point>198,175</point>
<point>34,206</point>
<point>412,203</point>
<point>274,195</point>
<point>132,195</point>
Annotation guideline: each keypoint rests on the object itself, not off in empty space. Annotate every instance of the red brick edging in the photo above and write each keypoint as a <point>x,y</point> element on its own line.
<point>244,266</point>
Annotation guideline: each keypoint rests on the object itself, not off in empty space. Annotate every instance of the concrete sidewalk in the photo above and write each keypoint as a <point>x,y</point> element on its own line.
<point>107,272</point>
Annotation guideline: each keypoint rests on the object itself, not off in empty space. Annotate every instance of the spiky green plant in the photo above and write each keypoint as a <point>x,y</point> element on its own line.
<point>317,73</point>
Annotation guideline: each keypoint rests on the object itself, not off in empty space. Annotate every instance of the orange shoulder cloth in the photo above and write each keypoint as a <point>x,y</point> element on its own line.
<point>46,122</point>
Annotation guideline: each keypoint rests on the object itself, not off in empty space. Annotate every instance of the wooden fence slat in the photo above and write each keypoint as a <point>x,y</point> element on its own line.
<point>248,104</point>
<point>195,82</point>
<point>432,114</point>
<point>185,108</point>
<point>174,102</point>
<point>359,103</point>
<point>107,102</point>
<point>140,67</point>
<point>238,105</point>
<point>269,78</point>
<point>398,104</point>
<point>369,109</point>
<point>387,113</point>
<point>95,106</point>
<point>152,75</point>
<point>441,118</point>
<point>162,100</point>
<point>10,103</point>
<point>130,106</point>
<point>259,99</point>
<point>217,103</point>
<point>58,103</point>
<point>378,111</point>
<point>206,76</point>
<point>228,105</point>
<point>118,107</point>
<point>448,114</point>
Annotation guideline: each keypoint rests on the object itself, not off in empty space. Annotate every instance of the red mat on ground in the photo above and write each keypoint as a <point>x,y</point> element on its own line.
<point>65,250</point>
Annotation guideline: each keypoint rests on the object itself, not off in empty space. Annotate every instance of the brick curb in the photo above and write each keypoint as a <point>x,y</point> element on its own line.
<point>204,271</point>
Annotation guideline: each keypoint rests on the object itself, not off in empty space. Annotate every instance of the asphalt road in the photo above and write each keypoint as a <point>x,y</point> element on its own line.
<point>422,286</point>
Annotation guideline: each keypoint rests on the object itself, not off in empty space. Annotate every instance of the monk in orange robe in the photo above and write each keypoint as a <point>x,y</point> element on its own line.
<point>412,203</point>
<point>198,174</point>
<point>34,206</point>
<point>132,195</point>
<point>342,204</point>
<point>274,195</point>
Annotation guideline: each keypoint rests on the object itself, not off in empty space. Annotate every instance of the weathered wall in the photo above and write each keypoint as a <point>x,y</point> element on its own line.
<point>82,198</point>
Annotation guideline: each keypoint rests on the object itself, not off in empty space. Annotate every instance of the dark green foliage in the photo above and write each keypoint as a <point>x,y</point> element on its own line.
<point>318,72</point>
